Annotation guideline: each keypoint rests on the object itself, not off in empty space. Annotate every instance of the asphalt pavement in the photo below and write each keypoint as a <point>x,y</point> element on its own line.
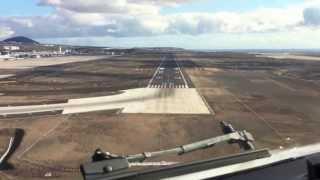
<point>165,94</point>
<point>168,75</point>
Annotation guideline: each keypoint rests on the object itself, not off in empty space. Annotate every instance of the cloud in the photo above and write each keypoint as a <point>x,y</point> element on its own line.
<point>139,18</point>
<point>260,20</point>
<point>5,32</point>
<point>311,16</point>
<point>112,6</point>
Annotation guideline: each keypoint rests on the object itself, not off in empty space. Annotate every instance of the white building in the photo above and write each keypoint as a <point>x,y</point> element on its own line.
<point>11,48</point>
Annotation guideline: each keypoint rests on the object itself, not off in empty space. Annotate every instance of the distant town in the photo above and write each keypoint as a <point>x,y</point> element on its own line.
<point>20,47</point>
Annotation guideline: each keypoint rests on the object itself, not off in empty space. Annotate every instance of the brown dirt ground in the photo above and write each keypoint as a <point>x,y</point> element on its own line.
<point>75,80</point>
<point>74,140</point>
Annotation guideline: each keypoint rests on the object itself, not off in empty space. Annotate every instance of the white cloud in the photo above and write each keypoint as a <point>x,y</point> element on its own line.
<point>137,18</point>
<point>260,20</point>
<point>105,6</point>
<point>5,32</point>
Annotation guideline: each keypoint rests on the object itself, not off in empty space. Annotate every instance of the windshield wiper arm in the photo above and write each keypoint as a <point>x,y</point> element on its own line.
<point>107,163</point>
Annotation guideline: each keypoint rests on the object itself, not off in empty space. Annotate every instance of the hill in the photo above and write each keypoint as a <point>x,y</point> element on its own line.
<point>21,39</point>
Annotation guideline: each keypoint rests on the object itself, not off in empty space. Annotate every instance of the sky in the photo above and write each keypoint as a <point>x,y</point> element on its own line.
<point>192,24</point>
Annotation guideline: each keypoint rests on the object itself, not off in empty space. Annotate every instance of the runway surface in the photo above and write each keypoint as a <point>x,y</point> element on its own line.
<point>141,100</point>
<point>168,75</point>
<point>167,93</point>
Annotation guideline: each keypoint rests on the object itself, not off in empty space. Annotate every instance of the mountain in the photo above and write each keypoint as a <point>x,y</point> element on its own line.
<point>21,40</point>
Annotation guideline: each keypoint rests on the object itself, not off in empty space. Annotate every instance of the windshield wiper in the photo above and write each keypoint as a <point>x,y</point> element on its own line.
<point>108,163</point>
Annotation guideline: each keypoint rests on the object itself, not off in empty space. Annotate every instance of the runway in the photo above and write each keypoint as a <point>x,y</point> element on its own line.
<point>168,75</point>
<point>168,92</point>
<point>141,100</point>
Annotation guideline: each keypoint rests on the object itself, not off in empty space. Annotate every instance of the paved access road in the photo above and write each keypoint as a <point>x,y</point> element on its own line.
<point>168,75</point>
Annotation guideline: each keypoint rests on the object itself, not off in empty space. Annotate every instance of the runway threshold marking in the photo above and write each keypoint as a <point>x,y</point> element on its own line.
<point>167,80</point>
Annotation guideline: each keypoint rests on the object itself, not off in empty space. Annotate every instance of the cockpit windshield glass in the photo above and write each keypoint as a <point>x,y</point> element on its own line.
<point>111,89</point>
